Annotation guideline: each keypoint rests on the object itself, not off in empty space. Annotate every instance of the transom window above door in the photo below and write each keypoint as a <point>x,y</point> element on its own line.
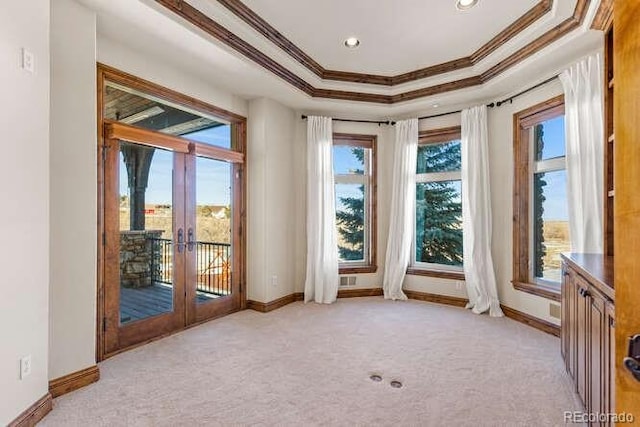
<point>129,106</point>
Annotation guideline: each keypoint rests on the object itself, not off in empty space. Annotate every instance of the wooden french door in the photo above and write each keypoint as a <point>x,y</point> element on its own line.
<point>172,234</point>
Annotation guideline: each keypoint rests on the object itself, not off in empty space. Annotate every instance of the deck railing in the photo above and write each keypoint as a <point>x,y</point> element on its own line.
<point>213,265</point>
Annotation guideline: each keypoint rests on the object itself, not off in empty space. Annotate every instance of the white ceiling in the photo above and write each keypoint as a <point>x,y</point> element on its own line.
<point>145,27</point>
<point>397,36</point>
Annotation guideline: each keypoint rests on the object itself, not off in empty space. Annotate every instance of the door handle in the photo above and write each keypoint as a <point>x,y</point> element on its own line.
<point>180,240</point>
<point>190,241</point>
<point>632,361</point>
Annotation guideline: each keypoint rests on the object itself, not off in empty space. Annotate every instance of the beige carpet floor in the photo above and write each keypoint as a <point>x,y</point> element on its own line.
<point>310,365</point>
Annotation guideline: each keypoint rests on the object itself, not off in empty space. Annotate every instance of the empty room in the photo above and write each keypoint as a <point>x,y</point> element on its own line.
<point>252,212</point>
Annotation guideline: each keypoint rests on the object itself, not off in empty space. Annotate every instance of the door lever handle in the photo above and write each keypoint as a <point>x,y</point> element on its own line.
<point>633,367</point>
<point>180,240</point>
<point>190,240</point>
<point>632,361</point>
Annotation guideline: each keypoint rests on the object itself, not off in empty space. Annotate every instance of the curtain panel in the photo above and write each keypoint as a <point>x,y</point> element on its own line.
<point>584,122</point>
<point>402,217</point>
<point>479,272</point>
<point>322,280</point>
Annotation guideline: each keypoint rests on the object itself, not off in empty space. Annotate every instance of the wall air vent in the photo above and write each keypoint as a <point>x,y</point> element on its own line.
<point>347,280</point>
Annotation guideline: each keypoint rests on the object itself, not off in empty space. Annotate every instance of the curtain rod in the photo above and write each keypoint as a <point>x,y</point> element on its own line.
<point>491,105</point>
<point>388,122</point>
<point>499,103</point>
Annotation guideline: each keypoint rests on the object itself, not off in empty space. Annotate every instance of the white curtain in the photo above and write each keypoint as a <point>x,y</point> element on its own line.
<point>403,198</point>
<point>583,86</point>
<point>321,284</point>
<point>479,274</point>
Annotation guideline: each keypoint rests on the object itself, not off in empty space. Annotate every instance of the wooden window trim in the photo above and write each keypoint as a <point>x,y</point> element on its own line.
<point>523,121</point>
<point>437,136</point>
<point>430,272</point>
<point>370,142</point>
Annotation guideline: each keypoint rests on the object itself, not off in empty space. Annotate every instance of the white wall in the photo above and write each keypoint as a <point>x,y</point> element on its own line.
<point>271,201</point>
<point>24,224</point>
<point>172,76</point>
<point>73,188</point>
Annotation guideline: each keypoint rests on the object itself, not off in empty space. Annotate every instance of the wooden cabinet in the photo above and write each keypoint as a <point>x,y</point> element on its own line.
<point>587,332</point>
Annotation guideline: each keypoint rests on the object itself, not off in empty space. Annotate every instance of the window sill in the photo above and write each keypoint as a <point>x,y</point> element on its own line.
<point>539,289</point>
<point>453,275</point>
<point>358,269</point>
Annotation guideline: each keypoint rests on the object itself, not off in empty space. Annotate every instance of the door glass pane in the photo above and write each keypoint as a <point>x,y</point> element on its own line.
<point>213,229</point>
<point>132,107</point>
<point>350,219</point>
<point>549,139</point>
<point>146,232</point>
<point>439,223</point>
<point>550,224</point>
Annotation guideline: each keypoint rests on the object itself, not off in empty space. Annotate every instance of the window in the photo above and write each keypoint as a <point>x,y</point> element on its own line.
<point>354,166</point>
<point>437,248</point>
<point>541,217</point>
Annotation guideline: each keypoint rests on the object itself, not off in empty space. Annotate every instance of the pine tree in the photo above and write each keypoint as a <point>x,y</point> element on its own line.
<point>539,183</point>
<point>350,220</point>
<point>438,207</point>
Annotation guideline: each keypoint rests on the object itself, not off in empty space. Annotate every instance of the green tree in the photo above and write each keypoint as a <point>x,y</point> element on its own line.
<point>539,183</point>
<point>438,207</point>
<point>350,219</point>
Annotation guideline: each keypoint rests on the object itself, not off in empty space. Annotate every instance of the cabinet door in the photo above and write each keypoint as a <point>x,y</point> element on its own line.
<point>609,366</point>
<point>597,352</point>
<point>583,309</point>
<point>564,322</point>
<point>569,319</point>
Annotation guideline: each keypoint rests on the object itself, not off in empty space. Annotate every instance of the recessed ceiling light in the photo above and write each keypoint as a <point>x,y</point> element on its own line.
<point>352,42</point>
<point>465,4</point>
<point>436,105</point>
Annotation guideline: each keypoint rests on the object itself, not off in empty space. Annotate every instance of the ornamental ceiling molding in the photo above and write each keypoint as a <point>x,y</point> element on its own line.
<point>255,21</point>
<point>203,22</point>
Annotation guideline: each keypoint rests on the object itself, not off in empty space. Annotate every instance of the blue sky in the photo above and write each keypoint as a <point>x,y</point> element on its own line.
<point>555,205</point>
<point>219,136</point>
<point>213,178</point>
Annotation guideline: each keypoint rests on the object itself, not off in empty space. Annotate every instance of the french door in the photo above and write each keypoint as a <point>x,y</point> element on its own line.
<point>172,249</point>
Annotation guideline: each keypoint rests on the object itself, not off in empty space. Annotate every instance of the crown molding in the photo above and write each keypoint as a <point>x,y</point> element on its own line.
<point>206,24</point>
<point>604,15</point>
<point>255,21</point>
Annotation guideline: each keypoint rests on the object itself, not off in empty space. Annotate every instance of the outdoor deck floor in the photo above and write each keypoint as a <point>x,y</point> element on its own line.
<point>141,303</point>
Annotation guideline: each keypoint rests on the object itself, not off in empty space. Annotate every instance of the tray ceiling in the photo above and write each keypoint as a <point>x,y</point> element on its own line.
<point>397,36</point>
<point>252,57</point>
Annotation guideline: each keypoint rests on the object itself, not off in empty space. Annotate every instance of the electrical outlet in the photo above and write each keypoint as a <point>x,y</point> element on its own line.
<point>458,285</point>
<point>25,367</point>
<point>274,280</point>
<point>28,61</point>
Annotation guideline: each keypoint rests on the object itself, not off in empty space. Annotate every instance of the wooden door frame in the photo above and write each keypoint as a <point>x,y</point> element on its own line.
<point>236,155</point>
<point>123,336</point>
